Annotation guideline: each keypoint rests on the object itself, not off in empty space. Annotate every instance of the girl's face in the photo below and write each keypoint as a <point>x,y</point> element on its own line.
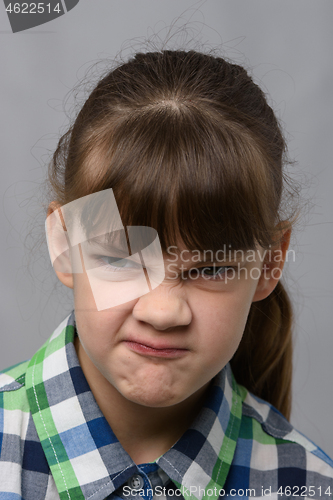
<point>162,347</point>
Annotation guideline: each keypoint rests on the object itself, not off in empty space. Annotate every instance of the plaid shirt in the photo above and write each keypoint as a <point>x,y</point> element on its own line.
<point>55,442</point>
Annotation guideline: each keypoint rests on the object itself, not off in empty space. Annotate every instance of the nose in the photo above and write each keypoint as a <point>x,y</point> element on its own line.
<point>164,307</point>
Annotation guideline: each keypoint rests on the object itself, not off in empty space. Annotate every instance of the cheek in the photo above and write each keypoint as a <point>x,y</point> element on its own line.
<point>97,329</point>
<point>223,320</point>
<point>83,298</point>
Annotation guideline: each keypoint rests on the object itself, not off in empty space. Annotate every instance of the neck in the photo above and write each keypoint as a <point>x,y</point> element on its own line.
<point>144,432</point>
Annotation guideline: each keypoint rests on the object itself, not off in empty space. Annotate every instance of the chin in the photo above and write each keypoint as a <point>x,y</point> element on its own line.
<point>152,399</point>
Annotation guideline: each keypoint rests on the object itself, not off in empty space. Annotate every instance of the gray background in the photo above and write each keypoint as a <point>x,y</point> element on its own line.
<point>287,44</point>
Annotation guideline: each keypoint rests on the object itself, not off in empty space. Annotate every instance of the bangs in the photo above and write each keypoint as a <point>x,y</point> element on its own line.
<point>198,178</point>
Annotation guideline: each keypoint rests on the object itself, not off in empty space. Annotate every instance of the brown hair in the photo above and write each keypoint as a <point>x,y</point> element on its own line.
<point>189,140</point>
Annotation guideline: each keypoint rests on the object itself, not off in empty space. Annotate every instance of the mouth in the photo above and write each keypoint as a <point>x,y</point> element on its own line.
<point>158,352</point>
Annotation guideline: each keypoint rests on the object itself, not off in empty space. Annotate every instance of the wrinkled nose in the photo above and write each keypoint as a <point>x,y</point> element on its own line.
<point>164,307</point>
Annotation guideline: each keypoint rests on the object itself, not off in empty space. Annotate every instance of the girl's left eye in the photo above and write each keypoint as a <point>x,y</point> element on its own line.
<point>214,272</point>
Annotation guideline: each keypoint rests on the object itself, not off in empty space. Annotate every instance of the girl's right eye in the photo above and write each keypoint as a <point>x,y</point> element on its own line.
<point>115,264</point>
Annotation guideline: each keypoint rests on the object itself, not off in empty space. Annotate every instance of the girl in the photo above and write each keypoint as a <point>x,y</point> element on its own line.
<point>172,374</point>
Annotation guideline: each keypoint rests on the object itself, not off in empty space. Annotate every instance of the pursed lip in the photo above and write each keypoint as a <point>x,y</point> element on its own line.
<point>157,349</point>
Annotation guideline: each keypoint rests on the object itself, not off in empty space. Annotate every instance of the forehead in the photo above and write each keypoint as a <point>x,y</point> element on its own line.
<point>98,218</point>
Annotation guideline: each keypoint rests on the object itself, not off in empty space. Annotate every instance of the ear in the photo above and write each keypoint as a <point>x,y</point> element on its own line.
<point>272,267</point>
<point>58,246</point>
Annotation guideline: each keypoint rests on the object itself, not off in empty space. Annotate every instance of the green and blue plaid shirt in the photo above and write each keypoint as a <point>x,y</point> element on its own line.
<point>55,442</point>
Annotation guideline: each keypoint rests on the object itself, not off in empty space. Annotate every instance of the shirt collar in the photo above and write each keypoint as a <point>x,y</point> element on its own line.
<point>85,457</point>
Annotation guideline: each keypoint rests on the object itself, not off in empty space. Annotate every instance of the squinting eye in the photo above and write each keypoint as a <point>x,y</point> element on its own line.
<point>211,273</point>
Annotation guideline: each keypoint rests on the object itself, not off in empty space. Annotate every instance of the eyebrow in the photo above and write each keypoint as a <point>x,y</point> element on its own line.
<point>111,246</point>
<point>209,263</point>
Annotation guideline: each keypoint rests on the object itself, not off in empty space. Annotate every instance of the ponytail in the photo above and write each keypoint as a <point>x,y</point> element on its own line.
<point>263,361</point>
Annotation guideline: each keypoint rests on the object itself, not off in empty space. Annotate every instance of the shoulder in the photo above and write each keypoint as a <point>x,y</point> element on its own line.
<point>277,446</point>
<point>14,405</point>
<point>12,380</point>
<point>15,418</point>
<point>23,463</point>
